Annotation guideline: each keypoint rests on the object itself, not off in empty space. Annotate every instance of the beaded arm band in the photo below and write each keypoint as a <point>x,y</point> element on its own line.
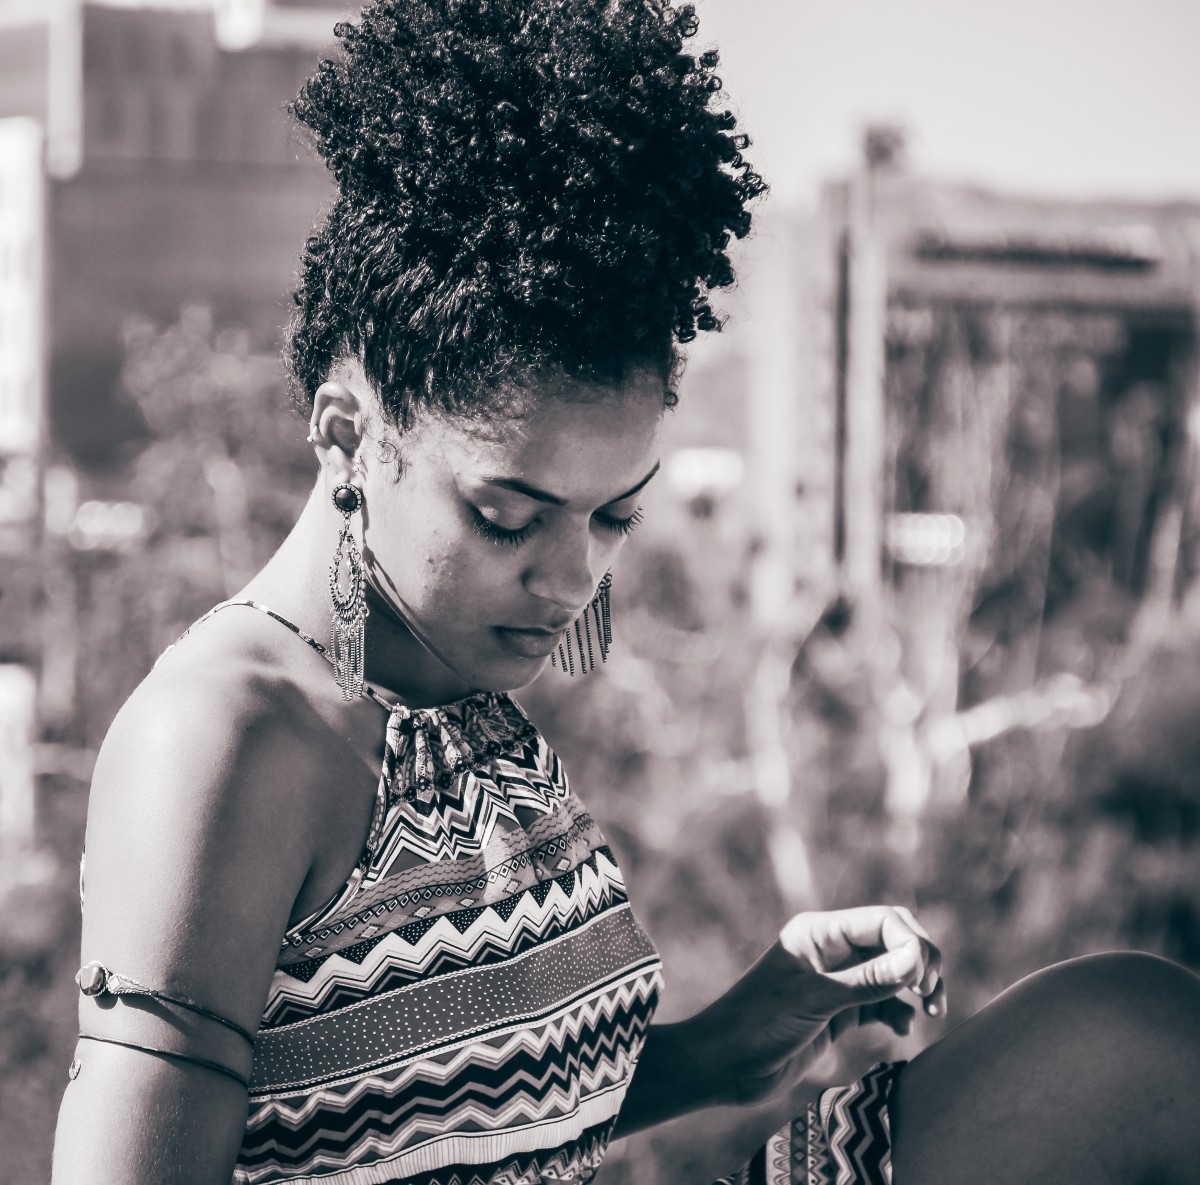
<point>96,980</point>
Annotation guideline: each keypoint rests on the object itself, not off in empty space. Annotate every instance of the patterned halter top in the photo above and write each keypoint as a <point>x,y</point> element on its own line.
<point>470,1006</point>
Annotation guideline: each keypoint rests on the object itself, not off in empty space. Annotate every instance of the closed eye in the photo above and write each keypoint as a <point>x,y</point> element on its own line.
<point>622,526</point>
<point>514,536</point>
<point>496,533</point>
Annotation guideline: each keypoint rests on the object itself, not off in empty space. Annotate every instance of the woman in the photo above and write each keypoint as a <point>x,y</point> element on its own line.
<point>300,968</point>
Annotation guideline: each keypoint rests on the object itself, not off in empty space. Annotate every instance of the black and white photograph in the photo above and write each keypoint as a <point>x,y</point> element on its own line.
<point>599,591</point>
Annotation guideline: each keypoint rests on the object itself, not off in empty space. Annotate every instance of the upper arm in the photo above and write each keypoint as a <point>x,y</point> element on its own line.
<point>197,845</point>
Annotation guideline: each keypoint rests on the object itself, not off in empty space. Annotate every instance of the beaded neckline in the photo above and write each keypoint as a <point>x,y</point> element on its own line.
<point>426,750</point>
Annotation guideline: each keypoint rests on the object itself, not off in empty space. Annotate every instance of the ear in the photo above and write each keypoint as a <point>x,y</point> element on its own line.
<point>336,429</point>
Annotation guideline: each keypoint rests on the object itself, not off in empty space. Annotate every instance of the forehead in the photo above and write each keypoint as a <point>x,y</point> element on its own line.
<point>583,446</point>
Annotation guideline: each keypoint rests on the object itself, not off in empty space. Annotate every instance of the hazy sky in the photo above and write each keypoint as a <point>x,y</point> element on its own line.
<point>1080,97</point>
<point>1072,97</point>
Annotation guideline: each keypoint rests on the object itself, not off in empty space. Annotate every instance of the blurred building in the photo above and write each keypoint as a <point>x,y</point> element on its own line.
<point>969,428</point>
<point>146,163</point>
<point>992,440</point>
<point>1124,276</point>
<point>175,175</point>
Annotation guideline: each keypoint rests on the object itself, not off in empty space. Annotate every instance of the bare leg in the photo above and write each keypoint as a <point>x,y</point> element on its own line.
<point>1087,1073</point>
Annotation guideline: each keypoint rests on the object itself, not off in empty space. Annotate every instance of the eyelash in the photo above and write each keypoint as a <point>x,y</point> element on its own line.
<point>497,534</point>
<point>622,526</point>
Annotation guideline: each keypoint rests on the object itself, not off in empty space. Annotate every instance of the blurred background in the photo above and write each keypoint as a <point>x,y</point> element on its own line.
<point>915,612</point>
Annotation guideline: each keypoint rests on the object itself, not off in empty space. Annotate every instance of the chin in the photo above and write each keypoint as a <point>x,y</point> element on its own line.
<point>512,674</point>
<point>500,673</point>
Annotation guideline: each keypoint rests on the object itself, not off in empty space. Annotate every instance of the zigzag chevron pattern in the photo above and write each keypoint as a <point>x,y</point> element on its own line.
<point>507,865</point>
<point>470,1009</point>
<point>574,1161</point>
<point>630,1004</point>
<point>857,1122</point>
<point>449,942</point>
<point>448,829</point>
<point>500,906</point>
<point>533,1077</point>
<point>428,1018</point>
<point>843,1139</point>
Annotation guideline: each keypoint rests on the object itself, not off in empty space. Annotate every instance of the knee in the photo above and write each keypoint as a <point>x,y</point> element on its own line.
<point>1095,1057</point>
<point>1133,970</point>
<point>1100,1027</point>
<point>1129,981</point>
<point>1138,1005</point>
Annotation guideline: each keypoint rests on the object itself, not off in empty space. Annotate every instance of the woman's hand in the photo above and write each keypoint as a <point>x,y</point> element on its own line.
<point>828,972</point>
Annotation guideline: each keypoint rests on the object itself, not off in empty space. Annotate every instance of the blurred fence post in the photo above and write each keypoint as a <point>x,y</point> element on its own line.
<point>64,106</point>
<point>1165,595</point>
<point>1186,585</point>
<point>864,308</point>
<point>234,548</point>
<point>767,702</point>
<point>18,697</point>
<point>21,863</point>
<point>774,427</point>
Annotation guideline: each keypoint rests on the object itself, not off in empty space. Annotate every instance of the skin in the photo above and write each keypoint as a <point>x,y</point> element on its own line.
<point>425,546</point>
<point>239,784</point>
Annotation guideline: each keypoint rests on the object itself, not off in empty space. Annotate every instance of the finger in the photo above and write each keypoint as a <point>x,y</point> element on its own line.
<point>872,952</point>
<point>871,930</point>
<point>935,1002</point>
<point>931,954</point>
<point>908,915</point>
<point>933,962</point>
<point>884,975</point>
<point>833,939</point>
<point>932,978</point>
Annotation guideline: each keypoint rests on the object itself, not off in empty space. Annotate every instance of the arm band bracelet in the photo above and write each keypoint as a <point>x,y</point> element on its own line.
<point>216,1067</point>
<point>95,979</point>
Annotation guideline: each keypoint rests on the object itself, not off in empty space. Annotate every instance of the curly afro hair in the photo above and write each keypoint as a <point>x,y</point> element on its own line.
<point>526,188</point>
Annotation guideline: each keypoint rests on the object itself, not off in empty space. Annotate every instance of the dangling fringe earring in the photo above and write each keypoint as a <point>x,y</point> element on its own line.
<point>596,616</point>
<point>348,618</point>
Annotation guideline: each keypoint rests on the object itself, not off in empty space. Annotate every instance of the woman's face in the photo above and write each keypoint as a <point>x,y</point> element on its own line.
<point>489,539</point>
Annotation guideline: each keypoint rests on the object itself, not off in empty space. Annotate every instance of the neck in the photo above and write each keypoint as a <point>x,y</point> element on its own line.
<point>295,583</point>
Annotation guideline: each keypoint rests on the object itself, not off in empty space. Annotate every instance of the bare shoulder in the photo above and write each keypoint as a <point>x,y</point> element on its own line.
<point>221,801</point>
<point>191,868</point>
<point>200,832</point>
<point>207,732</point>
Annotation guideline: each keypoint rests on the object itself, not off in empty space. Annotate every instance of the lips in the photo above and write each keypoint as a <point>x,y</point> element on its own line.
<point>532,642</point>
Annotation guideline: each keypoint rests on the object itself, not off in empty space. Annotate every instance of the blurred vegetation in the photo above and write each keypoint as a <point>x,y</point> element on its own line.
<point>1042,827</point>
<point>223,471</point>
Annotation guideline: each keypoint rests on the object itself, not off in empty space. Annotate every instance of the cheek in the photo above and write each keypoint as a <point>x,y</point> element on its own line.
<point>451,578</point>
<point>440,567</point>
<point>444,579</point>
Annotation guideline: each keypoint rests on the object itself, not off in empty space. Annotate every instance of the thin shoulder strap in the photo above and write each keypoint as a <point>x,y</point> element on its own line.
<point>368,691</point>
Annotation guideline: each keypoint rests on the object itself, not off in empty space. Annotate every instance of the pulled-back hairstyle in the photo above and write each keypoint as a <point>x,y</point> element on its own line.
<point>525,188</point>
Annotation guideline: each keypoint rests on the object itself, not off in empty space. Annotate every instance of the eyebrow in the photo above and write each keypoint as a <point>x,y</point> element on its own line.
<point>522,487</point>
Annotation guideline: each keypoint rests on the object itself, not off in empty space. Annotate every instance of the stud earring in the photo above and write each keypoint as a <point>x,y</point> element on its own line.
<point>596,617</point>
<point>348,606</point>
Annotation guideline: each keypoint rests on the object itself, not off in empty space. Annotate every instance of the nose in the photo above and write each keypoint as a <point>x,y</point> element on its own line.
<point>567,574</point>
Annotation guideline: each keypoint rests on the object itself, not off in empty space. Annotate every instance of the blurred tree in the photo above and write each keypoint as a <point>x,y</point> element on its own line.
<point>222,471</point>
<point>223,475</point>
<point>1055,840</point>
<point>1024,670</point>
